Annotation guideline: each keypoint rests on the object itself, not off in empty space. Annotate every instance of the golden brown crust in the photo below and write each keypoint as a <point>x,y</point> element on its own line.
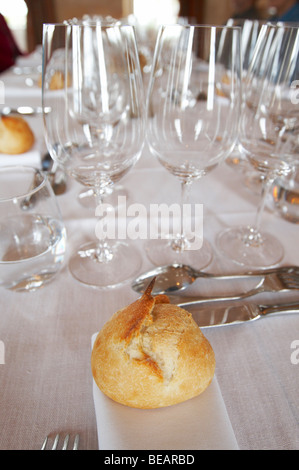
<point>16,135</point>
<point>58,81</point>
<point>152,354</point>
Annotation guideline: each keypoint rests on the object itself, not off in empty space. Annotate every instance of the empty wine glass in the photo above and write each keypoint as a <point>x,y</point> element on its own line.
<point>193,106</point>
<point>87,197</point>
<point>95,129</point>
<point>269,138</point>
<point>250,32</point>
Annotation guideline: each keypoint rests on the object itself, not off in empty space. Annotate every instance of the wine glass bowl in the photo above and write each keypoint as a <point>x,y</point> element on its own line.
<point>193,107</point>
<point>251,32</point>
<point>95,129</point>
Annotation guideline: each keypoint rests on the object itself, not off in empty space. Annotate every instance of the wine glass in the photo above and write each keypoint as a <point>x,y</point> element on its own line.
<point>268,137</point>
<point>87,197</point>
<point>95,129</point>
<point>250,33</point>
<point>193,106</point>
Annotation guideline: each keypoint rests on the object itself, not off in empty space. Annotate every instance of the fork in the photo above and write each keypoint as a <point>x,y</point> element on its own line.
<point>65,442</point>
<point>275,281</point>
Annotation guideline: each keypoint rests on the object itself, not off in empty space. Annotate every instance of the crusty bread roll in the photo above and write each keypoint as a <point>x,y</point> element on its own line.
<point>152,354</point>
<point>16,135</point>
<point>56,81</point>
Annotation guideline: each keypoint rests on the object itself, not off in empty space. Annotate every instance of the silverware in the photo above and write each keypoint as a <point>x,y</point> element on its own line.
<point>24,110</point>
<point>281,280</point>
<point>28,202</point>
<point>27,69</point>
<point>177,277</point>
<point>64,445</point>
<point>212,314</point>
<point>56,178</point>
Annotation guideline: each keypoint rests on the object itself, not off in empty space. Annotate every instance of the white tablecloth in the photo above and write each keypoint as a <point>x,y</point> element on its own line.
<point>45,380</point>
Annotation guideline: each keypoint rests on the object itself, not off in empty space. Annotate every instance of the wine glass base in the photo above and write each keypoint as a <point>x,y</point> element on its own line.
<point>87,268</point>
<point>232,244</point>
<point>161,253</point>
<point>88,200</point>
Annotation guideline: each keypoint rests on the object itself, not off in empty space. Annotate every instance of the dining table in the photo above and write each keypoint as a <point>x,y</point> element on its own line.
<point>46,383</point>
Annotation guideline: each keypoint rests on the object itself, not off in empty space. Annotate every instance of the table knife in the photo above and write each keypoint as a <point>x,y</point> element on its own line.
<point>211,314</point>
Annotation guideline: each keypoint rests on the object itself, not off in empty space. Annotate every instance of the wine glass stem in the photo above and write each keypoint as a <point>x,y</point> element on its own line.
<point>179,244</point>
<point>255,235</point>
<point>103,252</point>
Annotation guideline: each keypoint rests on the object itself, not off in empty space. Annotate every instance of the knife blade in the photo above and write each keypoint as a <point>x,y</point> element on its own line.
<point>219,313</point>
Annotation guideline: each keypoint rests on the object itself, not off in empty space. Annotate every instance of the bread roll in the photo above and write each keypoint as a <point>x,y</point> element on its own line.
<point>16,135</point>
<point>152,354</point>
<point>56,81</point>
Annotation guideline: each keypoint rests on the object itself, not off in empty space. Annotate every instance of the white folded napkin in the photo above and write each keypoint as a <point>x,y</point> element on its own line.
<point>201,423</point>
<point>31,158</point>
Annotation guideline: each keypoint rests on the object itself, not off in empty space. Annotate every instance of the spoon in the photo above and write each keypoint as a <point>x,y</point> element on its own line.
<point>177,277</point>
<point>169,279</point>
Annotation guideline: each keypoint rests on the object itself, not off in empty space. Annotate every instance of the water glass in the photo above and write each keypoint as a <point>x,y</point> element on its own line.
<point>286,196</point>
<point>32,232</point>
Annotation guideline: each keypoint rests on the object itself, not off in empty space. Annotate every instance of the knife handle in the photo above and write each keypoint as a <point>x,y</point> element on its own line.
<point>283,308</point>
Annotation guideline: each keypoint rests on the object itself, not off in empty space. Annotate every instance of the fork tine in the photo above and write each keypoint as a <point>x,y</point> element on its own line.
<point>44,444</point>
<point>76,442</point>
<point>65,442</point>
<point>291,279</point>
<point>55,442</point>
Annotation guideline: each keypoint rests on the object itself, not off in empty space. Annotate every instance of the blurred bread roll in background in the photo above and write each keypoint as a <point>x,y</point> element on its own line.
<point>16,135</point>
<point>57,81</point>
<point>152,354</point>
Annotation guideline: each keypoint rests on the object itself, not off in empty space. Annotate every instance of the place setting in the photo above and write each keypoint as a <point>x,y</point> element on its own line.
<point>157,299</point>
<point>176,276</point>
